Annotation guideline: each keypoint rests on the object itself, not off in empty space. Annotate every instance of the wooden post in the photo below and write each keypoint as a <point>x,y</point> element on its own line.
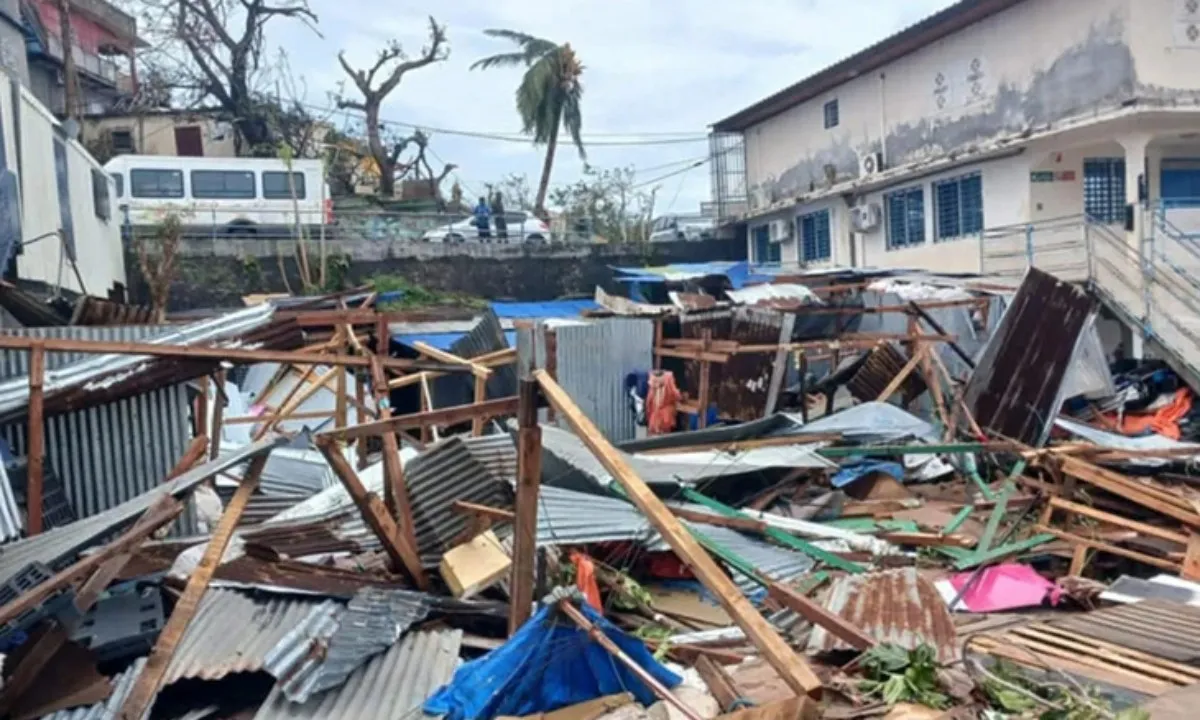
<point>145,688</point>
<point>37,439</point>
<point>360,395</point>
<point>897,381</point>
<point>705,380</point>
<point>201,410</point>
<point>395,490</point>
<point>658,343</point>
<point>214,444</point>
<point>550,362</point>
<point>341,415</point>
<point>295,398</point>
<point>790,666</point>
<point>480,397</point>
<point>529,478</point>
<point>818,615</point>
<point>426,406</point>
<point>401,551</point>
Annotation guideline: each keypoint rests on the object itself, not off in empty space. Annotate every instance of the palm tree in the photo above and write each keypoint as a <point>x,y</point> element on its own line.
<point>548,96</point>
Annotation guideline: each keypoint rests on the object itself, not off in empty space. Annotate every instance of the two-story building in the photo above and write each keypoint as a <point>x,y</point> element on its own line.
<point>981,121</point>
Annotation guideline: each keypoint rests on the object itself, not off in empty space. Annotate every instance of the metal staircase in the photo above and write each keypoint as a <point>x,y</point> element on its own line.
<point>1154,287</point>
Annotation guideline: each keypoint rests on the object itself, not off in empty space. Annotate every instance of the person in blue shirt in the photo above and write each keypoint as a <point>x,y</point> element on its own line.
<point>483,217</point>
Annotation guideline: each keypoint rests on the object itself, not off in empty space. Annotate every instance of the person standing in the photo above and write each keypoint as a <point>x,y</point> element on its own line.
<point>483,217</point>
<point>501,221</point>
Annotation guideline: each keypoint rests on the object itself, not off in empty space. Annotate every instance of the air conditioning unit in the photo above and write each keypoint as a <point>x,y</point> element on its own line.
<point>870,163</point>
<point>866,218</point>
<point>780,230</point>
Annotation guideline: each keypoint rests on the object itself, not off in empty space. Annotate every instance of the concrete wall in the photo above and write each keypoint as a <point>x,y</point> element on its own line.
<point>155,134</point>
<point>221,279</point>
<point>1036,63</point>
<point>30,134</point>
<point>12,43</point>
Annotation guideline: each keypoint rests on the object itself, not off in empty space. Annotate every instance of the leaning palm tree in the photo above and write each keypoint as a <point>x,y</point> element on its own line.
<point>548,96</point>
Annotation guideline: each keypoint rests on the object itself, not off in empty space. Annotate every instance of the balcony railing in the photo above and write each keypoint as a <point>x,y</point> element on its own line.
<point>96,66</point>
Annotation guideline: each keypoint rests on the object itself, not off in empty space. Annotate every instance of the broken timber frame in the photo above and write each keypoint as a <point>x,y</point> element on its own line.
<point>529,478</point>
<point>442,416</point>
<point>791,667</point>
<point>37,438</point>
<point>141,696</point>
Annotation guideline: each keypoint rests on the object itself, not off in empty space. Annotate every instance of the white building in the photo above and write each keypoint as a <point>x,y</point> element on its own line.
<point>58,213</point>
<point>988,115</point>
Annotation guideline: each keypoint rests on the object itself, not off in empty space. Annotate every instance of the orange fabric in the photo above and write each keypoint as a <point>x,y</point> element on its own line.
<point>1164,421</point>
<point>585,579</point>
<point>662,398</point>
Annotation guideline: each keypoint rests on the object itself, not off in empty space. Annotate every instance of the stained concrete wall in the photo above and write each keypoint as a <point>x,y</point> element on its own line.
<point>492,272</point>
<point>12,43</point>
<point>1036,63</point>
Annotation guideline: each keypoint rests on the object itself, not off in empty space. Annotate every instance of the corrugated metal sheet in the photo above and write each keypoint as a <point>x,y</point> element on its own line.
<point>895,607</point>
<point>110,453</point>
<point>773,561</point>
<point>292,472</point>
<point>1018,385</point>
<point>592,362</point>
<point>12,522</point>
<point>15,363</point>
<point>1161,628</point>
<point>877,372</point>
<point>442,474</point>
<point>486,336</point>
<point>392,685</point>
<point>108,709</point>
<point>308,663</point>
<point>59,546</point>
<point>232,632</point>
<point>496,453</point>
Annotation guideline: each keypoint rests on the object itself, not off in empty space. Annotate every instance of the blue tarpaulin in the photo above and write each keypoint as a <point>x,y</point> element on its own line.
<point>855,470</point>
<point>549,664</point>
<point>739,273</point>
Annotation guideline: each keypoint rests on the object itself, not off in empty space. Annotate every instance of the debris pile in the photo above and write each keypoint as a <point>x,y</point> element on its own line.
<point>731,495</point>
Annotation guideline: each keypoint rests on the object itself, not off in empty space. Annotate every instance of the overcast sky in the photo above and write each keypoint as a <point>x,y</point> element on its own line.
<point>651,67</point>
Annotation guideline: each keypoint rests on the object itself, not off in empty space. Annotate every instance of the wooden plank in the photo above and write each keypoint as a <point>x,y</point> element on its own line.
<point>1191,560</point>
<point>479,371</point>
<point>200,410</point>
<point>694,355</point>
<point>1079,558</point>
<point>905,371</point>
<point>1111,549</point>
<point>1102,645</point>
<point>719,683</point>
<point>1123,660</point>
<point>743,445</point>
<point>46,642</point>
<point>395,489</point>
<point>790,666</point>
<point>1117,485</point>
<point>480,396</point>
<point>930,539</point>
<point>813,612</point>
<point>442,416</point>
<point>341,414</point>
<point>492,513</point>
<point>529,479</point>
<point>145,689</point>
<point>1139,527</point>
<point>36,468</point>
<point>402,553</point>
<point>737,523</point>
<point>218,419</point>
<point>304,389</point>
<point>360,396</point>
<point>704,394</point>
<point>499,358</point>
<point>1085,667</point>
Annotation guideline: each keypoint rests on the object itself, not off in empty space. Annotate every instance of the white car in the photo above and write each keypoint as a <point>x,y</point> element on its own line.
<point>521,226</point>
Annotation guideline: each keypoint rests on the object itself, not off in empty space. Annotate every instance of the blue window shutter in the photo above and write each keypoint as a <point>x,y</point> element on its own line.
<point>972,204</point>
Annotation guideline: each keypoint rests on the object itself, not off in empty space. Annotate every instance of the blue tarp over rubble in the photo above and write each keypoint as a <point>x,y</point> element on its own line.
<point>548,664</point>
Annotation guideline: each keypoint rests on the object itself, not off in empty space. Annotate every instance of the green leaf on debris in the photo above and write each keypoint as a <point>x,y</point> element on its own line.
<point>415,296</point>
<point>895,674</point>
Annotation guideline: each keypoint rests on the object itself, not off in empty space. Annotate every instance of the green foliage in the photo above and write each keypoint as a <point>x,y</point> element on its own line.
<point>606,203</point>
<point>415,296</point>
<point>1012,693</point>
<point>338,267</point>
<point>656,634</point>
<point>896,675</point>
<point>629,594</point>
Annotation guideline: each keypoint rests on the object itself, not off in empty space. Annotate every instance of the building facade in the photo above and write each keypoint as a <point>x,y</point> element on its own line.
<point>176,133</point>
<point>970,127</point>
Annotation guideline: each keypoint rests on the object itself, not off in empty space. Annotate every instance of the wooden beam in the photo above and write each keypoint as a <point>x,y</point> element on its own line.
<point>907,370</point>
<point>395,543</point>
<point>218,422</point>
<point>743,445</point>
<point>492,513</point>
<point>1191,559</point>
<point>1121,486</point>
<point>790,666</point>
<point>395,489</point>
<point>719,683</point>
<point>1099,546</point>
<point>737,523</point>
<point>529,479</point>
<point>195,452</point>
<point>36,466</point>
<point>145,688</point>
<point>480,396</point>
<point>255,419</point>
<point>818,615</point>
<point>1138,527</point>
<point>442,416</point>
<point>360,397</point>
<point>37,594</point>
<point>200,410</point>
<point>234,355</point>
<point>341,413</point>
<point>479,371</point>
<point>495,359</point>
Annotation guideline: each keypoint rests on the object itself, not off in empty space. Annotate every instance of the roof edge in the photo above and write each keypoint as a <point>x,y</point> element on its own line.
<point>933,28</point>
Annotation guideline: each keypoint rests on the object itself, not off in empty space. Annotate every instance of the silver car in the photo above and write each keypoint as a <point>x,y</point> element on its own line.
<point>521,225</point>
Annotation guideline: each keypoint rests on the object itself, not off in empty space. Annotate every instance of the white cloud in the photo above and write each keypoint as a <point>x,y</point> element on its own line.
<point>651,67</point>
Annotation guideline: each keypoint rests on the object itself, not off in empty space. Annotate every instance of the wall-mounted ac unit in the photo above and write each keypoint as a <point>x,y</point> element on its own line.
<point>870,163</point>
<point>780,230</point>
<point>866,218</point>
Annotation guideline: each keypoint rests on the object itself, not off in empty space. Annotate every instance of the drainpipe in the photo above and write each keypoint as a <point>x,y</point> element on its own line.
<point>883,118</point>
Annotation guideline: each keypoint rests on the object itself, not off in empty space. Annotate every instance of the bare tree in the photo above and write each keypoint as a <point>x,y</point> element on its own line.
<point>157,258</point>
<point>224,43</point>
<point>389,69</point>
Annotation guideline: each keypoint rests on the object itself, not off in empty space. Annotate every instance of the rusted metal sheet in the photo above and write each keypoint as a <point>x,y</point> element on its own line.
<point>895,607</point>
<point>1018,384</point>
<point>1158,627</point>
<point>98,311</point>
<point>882,365</point>
<point>300,577</point>
<point>299,540</point>
<point>740,387</point>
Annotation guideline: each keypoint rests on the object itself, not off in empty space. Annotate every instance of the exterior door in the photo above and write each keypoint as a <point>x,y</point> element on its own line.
<point>189,141</point>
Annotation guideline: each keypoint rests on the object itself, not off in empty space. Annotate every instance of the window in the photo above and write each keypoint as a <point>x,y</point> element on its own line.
<point>958,207</point>
<point>122,142</point>
<point>1104,189</point>
<point>119,183</point>
<point>831,114</point>
<point>765,252</point>
<point>223,185</point>
<point>146,183</point>
<point>101,202</point>
<point>905,219</point>
<point>276,186</point>
<point>814,236</point>
<point>1180,180</point>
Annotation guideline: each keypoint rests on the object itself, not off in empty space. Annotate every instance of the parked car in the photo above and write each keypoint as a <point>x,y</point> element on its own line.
<point>671,228</point>
<point>522,226</point>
